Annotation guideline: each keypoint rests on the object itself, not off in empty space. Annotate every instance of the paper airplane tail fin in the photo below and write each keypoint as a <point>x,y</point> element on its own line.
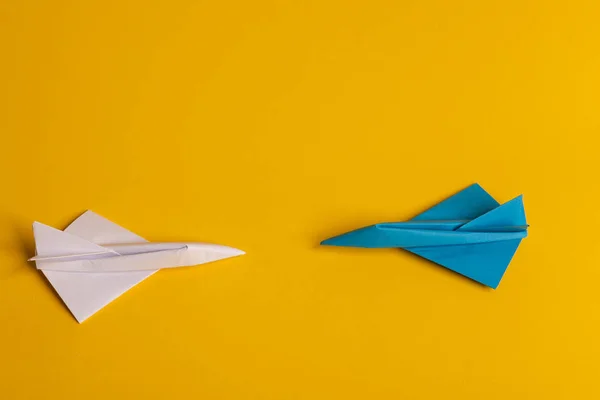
<point>511,213</point>
<point>53,243</point>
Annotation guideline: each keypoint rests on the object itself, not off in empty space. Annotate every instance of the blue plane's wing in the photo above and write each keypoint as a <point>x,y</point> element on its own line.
<point>486,262</point>
<point>469,203</point>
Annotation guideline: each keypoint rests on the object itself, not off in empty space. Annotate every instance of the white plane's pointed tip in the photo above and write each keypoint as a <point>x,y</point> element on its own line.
<point>232,252</point>
<point>201,253</point>
<point>238,252</point>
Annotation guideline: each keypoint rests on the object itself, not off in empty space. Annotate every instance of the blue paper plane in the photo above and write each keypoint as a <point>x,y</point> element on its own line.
<point>469,233</point>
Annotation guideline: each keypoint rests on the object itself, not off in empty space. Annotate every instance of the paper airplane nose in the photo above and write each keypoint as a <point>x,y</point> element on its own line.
<point>358,238</point>
<point>202,252</point>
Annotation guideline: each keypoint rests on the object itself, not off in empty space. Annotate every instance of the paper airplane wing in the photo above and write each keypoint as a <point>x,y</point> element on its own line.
<point>99,230</point>
<point>86,293</point>
<point>485,262</point>
<point>467,204</point>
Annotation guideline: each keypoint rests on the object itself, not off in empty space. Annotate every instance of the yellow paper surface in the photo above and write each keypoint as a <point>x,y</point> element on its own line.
<point>269,126</point>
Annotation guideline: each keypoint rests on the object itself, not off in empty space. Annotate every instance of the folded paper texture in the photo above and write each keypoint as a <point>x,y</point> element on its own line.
<point>469,233</point>
<point>93,261</point>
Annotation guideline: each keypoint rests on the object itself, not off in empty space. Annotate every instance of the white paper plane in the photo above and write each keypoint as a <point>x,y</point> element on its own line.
<point>94,261</point>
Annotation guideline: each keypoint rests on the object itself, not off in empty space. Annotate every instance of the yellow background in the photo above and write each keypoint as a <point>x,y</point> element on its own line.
<point>269,126</point>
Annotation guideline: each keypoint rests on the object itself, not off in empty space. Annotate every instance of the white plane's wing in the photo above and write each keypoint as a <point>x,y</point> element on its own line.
<point>51,242</point>
<point>86,293</point>
<point>99,230</point>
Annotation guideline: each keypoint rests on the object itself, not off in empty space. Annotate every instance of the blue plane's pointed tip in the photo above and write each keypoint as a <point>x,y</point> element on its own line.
<point>363,237</point>
<point>333,241</point>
